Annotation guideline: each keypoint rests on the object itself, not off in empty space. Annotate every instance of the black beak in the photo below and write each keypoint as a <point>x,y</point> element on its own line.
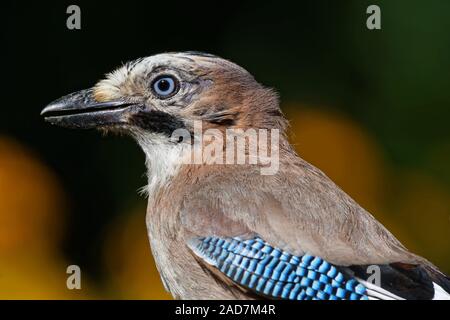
<point>81,111</point>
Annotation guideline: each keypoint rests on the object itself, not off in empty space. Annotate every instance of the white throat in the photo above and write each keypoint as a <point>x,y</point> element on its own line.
<point>162,159</point>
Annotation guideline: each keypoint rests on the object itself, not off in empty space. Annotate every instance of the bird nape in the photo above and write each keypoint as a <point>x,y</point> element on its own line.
<point>222,228</point>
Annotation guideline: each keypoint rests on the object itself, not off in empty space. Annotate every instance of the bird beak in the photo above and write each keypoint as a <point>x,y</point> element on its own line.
<point>81,111</point>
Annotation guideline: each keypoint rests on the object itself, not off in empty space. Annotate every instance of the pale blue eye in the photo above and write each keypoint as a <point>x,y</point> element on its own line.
<point>165,86</point>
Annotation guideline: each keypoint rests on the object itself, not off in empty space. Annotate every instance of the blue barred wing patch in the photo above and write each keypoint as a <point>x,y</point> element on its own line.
<point>272,272</point>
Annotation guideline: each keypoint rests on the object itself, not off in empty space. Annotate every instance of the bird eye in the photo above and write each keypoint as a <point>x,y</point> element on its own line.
<point>165,86</point>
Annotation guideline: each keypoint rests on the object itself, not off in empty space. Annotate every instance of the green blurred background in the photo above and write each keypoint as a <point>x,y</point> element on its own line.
<point>370,108</point>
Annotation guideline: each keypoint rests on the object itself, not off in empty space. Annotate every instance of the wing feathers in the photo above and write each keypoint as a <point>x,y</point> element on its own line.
<point>256,266</point>
<point>377,293</point>
<point>440,293</point>
<point>274,273</point>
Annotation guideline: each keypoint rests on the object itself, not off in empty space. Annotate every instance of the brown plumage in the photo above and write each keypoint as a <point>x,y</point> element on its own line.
<point>298,209</point>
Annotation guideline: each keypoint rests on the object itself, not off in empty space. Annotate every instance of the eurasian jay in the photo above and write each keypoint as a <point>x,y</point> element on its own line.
<point>228,231</point>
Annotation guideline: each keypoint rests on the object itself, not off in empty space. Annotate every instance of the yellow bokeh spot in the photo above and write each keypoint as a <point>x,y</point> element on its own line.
<point>129,261</point>
<point>423,206</point>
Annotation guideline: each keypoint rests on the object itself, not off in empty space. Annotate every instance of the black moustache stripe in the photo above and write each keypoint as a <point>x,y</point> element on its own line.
<point>157,121</point>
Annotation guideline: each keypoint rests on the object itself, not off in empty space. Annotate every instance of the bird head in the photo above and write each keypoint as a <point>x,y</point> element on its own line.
<point>159,94</point>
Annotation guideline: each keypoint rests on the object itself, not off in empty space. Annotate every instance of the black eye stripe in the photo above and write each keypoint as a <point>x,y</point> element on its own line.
<point>165,86</point>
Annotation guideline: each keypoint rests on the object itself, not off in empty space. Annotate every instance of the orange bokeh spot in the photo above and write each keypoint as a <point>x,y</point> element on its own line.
<point>30,199</point>
<point>31,266</point>
<point>342,149</point>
